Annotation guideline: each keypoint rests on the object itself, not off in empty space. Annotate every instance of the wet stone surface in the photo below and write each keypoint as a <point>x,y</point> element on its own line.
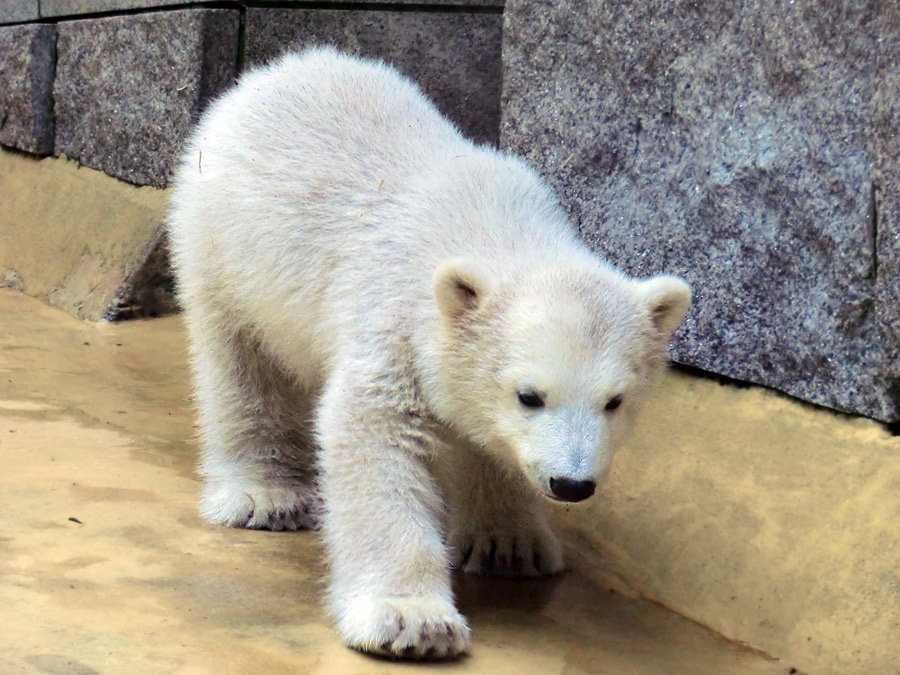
<point>737,146</point>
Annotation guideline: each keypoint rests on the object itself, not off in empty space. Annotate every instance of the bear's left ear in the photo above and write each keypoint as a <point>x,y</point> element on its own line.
<point>667,300</point>
<point>461,285</point>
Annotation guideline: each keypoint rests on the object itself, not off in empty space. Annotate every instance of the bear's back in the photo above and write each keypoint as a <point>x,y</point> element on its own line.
<point>323,186</point>
<point>326,117</point>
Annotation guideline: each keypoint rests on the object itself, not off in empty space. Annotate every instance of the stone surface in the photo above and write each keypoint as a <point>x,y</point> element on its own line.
<point>57,8</point>
<point>886,202</point>
<point>731,143</point>
<point>73,7</point>
<point>12,11</point>
<point>129,115</point>
<point>27,63</point>
<point>454,56</point>
<point>80,240</point>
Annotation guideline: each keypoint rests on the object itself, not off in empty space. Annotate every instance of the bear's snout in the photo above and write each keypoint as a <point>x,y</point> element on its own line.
<point>572,490</point>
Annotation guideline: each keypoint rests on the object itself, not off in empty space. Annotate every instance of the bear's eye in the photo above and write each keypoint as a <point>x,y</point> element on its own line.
<point>531,399</point>
<point>614,402</point>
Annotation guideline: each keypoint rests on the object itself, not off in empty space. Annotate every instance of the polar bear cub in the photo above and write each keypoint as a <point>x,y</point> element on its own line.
<point>396,336</point>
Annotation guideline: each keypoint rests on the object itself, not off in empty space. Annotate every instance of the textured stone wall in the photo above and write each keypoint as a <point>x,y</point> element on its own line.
<point>455,57</point>
<point>26,83</point>
<point>129,115</point>
<point>14,11</point>
<point>752,148</point>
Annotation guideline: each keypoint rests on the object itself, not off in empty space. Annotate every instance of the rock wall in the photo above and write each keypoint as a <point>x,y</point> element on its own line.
<point>454,56</point>
<point>750,147</point>
<point>26,83</point>
<point>128,115</point>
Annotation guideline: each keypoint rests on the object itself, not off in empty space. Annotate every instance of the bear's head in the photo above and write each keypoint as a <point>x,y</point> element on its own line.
<point>546,369</point>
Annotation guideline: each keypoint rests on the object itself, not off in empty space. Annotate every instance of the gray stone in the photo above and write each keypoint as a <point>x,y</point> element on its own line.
<point>27,62</point>
<point>55,8</point>
<point>454,56</point>
<point>12,11</point>
<point>129,115</point>
<point>886,197</point>
<point>733,144</point>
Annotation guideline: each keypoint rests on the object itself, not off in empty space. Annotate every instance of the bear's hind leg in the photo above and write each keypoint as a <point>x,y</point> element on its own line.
<point>256,427</point>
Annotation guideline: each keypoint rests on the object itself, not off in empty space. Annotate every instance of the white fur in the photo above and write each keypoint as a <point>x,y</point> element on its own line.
<point>362,283</point>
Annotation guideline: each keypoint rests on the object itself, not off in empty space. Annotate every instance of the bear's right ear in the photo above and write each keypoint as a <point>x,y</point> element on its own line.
<point>667,299</point>
<point>461,285</point>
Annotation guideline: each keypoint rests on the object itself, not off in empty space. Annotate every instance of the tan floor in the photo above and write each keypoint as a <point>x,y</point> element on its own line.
<point>105,566</point>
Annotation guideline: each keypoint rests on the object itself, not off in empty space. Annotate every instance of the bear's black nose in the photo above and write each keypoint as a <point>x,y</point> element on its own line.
<point>572,490</point>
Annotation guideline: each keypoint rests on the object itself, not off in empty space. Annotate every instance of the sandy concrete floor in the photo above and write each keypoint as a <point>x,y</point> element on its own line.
<point>105,566</point>
<point>766,519</point>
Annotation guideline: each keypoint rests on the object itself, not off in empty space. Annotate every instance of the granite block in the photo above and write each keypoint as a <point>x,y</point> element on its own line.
<point>57,8</point>
<point>129,115</point>
<point>733,144</point>
<point>886,195</point>
<point>27,64</point>
<point>54,8</point>
<point>454,56</point>
<point>14,11</point>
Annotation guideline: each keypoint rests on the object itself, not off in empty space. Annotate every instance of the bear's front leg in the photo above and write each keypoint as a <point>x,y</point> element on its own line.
<point>497,523</point>
<point>390,589</point>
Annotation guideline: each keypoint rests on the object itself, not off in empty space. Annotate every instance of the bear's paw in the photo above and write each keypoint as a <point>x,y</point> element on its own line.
<point>514,552</point>
<point>261,507</point>
<point>428,628</point>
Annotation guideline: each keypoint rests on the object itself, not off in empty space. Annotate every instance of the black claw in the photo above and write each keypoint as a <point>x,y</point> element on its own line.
<point>466,554</point>
<point>487,560</point>
<point>515,560</point>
